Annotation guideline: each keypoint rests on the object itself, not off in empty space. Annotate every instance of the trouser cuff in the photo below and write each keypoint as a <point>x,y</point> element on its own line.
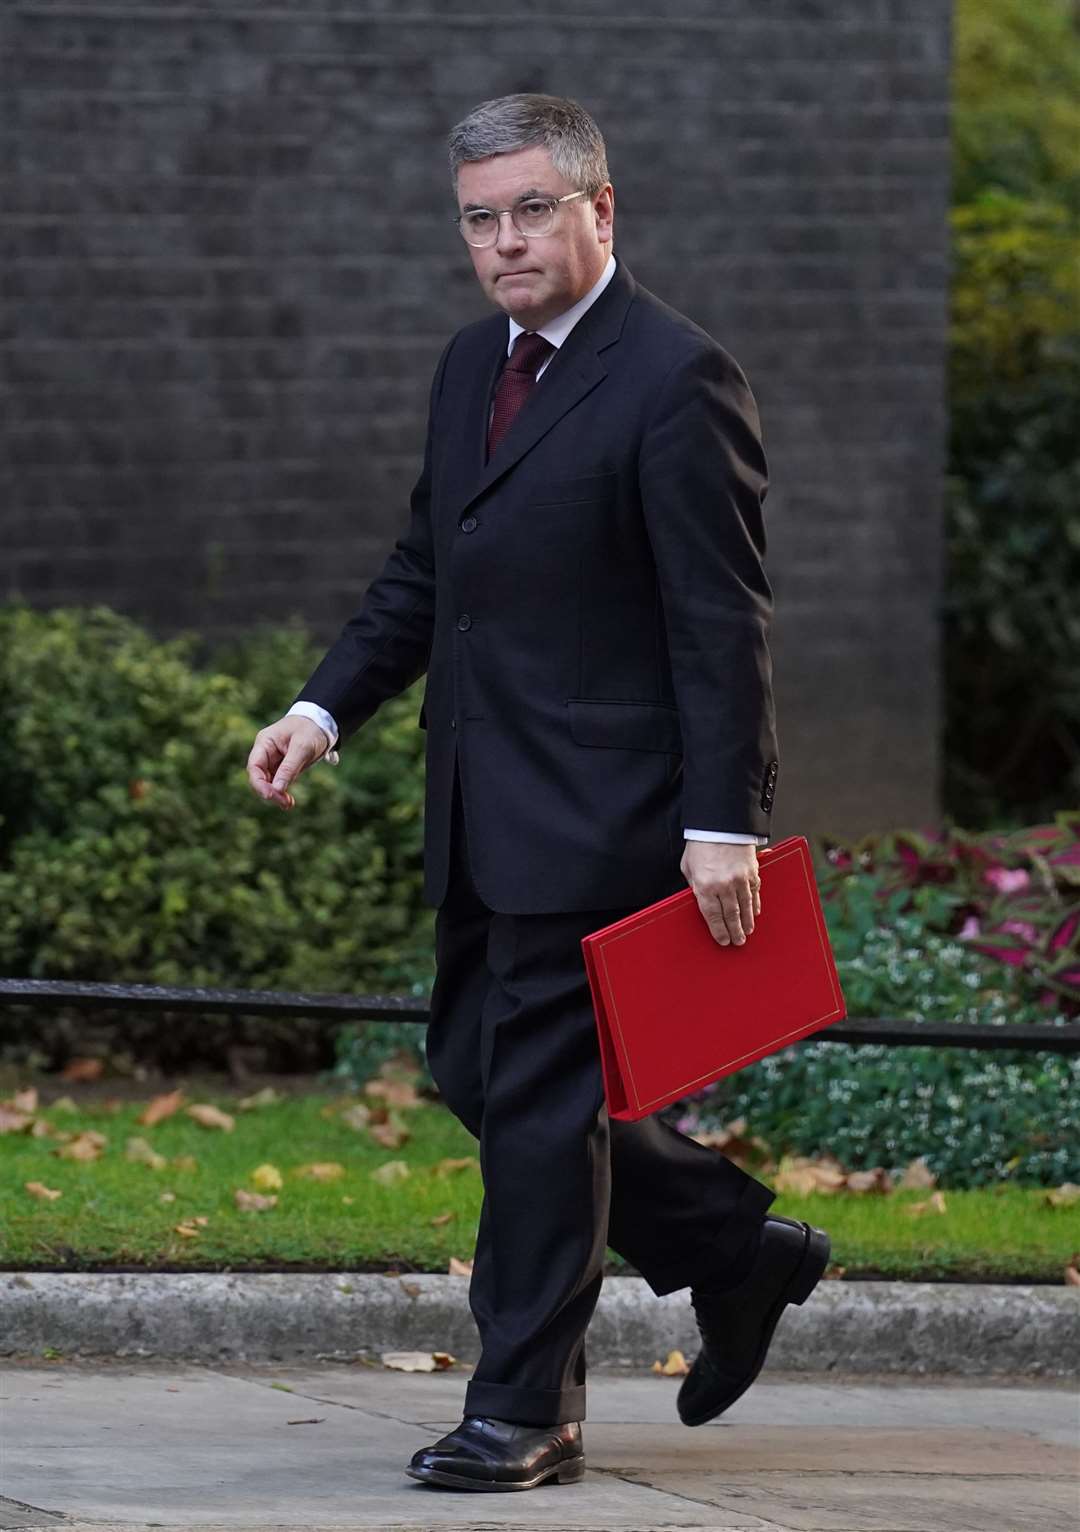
<point>526,1406</point>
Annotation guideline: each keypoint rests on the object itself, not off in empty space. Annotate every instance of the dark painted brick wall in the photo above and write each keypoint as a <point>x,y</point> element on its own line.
<point>228,269</point>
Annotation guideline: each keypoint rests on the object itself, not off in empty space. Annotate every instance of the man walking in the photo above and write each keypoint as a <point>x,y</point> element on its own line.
<point>582,581</point>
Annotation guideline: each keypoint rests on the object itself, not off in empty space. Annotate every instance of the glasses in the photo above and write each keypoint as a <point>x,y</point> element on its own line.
<point>533,217</point>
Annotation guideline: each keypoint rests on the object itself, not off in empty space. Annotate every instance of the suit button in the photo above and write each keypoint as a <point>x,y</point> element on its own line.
<point>464,622</point>
<point>469,524</point>
<point>453,723</point>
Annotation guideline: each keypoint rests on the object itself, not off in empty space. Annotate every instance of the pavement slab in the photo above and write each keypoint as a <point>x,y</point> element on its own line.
<point>122,1447</point>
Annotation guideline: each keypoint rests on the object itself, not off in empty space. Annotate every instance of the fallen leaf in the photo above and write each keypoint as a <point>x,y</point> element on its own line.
<point>802,1175</point>
<point>267,1178</point>
<point>675,1366</point>
<point>391,1172</point>
<point>253,1202</point>
<point>142,1152</point>
<point>208,1116</point>
<point>161,1107</point>
<point>835,1271</point>
<point>443,1360</point>
<point>392,1133</point>
<point>876,1180</point>
<point>410,1361</point>
<point>25,1100</point>
<point>411,1289</point>
<point>458,1268</point>
<point>83,1069</point>
<point>12,1121</point>
<point>356,1116</point>
<point>917,1175</point>
<point>185,1162</point>
<point>39,1189</point>
<point>41,1128</point>
<point>321,1170</point>
<point>268,1096</point>
<point>84,1146</point>
<point>442,1218</point>
<point>186,1230</point>
<point>933,1204</point>
<point>1072,1271</point>
<point>64,1104</point>
<point>348,1200</point>
<point>1063,1196</point>
<point>399,1093</point>
<point>167,1197</point>
<point>451,1167</point>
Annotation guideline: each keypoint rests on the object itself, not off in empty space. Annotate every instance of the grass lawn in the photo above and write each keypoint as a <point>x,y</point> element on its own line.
<point>110,1213</point>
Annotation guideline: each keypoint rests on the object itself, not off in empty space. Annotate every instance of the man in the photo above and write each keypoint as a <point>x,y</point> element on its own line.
<point>582,581</point>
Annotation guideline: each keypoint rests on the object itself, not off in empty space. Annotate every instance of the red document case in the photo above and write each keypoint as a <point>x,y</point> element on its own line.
<point>675,1010</point>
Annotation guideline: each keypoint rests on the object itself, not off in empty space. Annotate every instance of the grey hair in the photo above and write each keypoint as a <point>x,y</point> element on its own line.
<point>506,123</point>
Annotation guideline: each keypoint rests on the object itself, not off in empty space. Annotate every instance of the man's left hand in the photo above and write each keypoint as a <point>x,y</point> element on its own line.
<point>726,882</point>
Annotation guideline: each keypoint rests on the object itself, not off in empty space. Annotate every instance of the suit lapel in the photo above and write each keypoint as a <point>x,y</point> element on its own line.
<point>573,372</point>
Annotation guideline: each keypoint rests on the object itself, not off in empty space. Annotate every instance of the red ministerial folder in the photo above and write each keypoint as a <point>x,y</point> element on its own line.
<point>675,1010</point>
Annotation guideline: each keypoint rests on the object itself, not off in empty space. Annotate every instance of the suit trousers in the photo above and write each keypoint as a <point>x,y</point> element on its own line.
<point>512,1046</point>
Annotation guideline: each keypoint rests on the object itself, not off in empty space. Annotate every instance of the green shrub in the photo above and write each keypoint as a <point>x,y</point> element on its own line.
<point>132,848</point>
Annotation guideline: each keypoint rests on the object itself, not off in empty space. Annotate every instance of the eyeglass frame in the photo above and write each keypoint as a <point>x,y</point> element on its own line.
<point>553,203</point>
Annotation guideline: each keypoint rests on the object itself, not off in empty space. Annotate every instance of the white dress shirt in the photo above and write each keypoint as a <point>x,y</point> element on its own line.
<point>555,331</point>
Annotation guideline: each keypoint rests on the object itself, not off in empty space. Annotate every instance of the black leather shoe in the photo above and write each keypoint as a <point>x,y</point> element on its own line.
<point>737,1324</point>
<point>484,1453</point>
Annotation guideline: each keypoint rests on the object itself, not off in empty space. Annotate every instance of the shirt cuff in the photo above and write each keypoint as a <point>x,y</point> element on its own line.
<point>326,723</point>
<point>729,836</point>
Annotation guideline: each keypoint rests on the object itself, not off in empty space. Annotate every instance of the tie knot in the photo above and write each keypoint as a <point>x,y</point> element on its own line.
<point>529,352</point>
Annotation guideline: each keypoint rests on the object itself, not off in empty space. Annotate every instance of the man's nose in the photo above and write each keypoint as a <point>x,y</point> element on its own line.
<point>510,237</point>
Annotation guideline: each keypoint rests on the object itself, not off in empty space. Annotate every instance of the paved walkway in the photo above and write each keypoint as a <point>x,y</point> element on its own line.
<point>130,1446</point>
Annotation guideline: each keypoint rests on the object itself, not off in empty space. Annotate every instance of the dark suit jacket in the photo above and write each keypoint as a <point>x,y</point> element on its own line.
<point>591,609</point>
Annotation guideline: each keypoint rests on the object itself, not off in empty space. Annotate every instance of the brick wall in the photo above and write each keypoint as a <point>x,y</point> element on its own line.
<point>228,269</point>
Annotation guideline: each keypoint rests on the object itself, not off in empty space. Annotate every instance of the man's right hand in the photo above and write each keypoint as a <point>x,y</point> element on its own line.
<point>280,753</point>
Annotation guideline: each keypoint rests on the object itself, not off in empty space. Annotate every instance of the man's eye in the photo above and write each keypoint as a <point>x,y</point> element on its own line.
<point>533,209</point>
<point>478,219</point>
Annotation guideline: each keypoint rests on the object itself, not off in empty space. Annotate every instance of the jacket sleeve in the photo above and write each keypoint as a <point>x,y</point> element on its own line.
<point>703,479</point>
<point>386,646</point>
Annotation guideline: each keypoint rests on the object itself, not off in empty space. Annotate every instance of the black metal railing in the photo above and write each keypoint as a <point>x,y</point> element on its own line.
<point>39,993</point>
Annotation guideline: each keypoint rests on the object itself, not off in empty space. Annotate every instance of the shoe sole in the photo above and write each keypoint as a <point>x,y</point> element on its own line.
<point>800,1285</point>
<point>569,1472</point>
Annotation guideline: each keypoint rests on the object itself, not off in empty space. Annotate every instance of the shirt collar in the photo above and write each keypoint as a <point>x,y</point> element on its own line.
<point>557,329</point>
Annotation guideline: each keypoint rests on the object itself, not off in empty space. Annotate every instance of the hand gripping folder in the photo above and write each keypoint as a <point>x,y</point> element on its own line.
<point>675,1010</point>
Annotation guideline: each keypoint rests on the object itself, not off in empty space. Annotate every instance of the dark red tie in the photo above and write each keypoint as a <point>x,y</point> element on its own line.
<point>516,383</point>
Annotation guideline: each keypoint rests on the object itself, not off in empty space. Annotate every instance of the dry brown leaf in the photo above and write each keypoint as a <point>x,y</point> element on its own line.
<point>84,1146</point>
<point>917,1175</point>
<point>935,1203</point>
<point>1063,1196</point>
<point>458,1268</point>
<point>39,1189</point>
<point>25,1100</point>
<point>267,1178</point>
<point>1072,1271</point>
<point>83,1069</point>
<point>876,1180</point>
<point>185,1162</point>
<point>199,1218</point>
<point>392,1132</point>
<point>356,1116</point>
<point>268,1096</point>
<point>443,1360</point>
<point>208,1116</point>
<point>391,1172</point>
<point>41,1128</point>
<point>12,1121</point>
<point>161,1107</point>
<point>675,1366</point>
<point>394,1092</point>
<point>321,1170</point>
<point>452,1167</point>
<point>801,1175</point>
<point>167,1197</point>
<point>835,1271</point>
<point>253,1202</point>
<point>442,1218</point>
<point>410,1361</point>
<point>410,1289</point>
<point>142,1152</point>
<point>348,1200</point>
<point>187,1231</point>
<point>64,1104</point>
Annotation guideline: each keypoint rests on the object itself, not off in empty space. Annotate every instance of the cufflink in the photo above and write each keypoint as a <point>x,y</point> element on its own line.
<point>332,758</point>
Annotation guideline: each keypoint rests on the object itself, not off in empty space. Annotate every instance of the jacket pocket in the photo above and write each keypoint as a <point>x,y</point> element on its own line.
<point>578,489</point>
<point>625,725</point>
